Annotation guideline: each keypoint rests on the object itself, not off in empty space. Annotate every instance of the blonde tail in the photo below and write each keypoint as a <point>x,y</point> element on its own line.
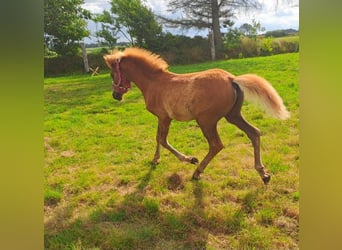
<point>258,90</point>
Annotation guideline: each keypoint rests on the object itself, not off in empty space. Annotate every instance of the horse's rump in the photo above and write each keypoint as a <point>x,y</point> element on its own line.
<point>258,90</point>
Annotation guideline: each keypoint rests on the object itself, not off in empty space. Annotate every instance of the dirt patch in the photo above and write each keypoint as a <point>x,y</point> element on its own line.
<point>175,182</point>
<point>47,145</point>
<point>68,153</point>
<point>291,212</point>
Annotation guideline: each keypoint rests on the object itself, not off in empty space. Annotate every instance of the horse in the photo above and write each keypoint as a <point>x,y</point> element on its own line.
<point>205,96</point>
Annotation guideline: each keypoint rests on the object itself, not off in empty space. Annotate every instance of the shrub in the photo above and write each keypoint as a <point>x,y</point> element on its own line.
<point>184,50</point>
<point>290,46</point>
<point>63,65</point>
<point>277,48</point>
<point>259,46</point>
<point>232,43</point>
<point>175,49</point>
<point>104,51</point>
<point>266,46</point>
<point>249,47</point>
<point>286,45</point>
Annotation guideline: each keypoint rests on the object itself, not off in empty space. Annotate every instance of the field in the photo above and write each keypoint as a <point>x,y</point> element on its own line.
<point>288,39</point>
<point>101,191</point>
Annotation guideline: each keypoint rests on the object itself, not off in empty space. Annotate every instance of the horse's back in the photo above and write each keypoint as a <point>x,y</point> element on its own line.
<point>191,95</point>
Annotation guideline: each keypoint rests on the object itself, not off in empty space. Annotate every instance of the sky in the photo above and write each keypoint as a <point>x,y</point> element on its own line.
<point>285,16</point>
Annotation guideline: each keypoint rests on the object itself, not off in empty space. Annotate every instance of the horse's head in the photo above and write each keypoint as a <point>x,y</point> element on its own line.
<point>120,84</point>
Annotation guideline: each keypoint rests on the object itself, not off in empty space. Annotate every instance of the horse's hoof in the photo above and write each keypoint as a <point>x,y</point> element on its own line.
<point>194,160</point>
<point>196,176</point>
<point>266,179</point>
<point>155,162</point>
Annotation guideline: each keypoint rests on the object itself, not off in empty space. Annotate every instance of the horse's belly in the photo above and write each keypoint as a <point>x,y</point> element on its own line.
<point>180,114</point>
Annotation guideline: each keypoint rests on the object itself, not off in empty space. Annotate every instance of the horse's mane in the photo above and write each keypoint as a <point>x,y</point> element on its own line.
<point>143,56</point>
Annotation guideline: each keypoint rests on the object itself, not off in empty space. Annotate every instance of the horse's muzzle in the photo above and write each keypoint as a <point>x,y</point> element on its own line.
<point>117,96</point>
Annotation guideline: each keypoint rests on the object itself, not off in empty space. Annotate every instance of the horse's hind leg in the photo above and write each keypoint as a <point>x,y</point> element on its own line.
<point>163,130</point>
<point>254,135</point>
<point>235,117</point>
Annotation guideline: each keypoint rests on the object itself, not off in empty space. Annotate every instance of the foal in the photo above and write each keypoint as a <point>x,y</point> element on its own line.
<point>205,96</point>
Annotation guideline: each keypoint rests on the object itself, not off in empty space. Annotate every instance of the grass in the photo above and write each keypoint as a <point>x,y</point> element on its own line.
<point>288,38</point>
<point>102,193</point>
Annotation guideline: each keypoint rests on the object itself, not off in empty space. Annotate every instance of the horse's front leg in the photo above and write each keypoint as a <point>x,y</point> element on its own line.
<point>156,157</point>
<point>215,146</point>
<point>162,132</point>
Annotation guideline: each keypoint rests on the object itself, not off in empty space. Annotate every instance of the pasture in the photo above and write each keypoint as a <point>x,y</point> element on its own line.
<point>101,191</point>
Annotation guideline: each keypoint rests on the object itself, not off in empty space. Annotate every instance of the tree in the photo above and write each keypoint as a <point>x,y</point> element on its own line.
<point>246,29</point>
<point>232,40</point>
<point>251,30</point>
<point>292,3</point>
<point>108,31</point>
<point>65,24</point>
<point>134,21</point>
<point>208,14</point>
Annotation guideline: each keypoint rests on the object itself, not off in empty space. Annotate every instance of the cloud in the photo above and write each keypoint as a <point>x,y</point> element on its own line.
<point>272,17</point>
<point>159,7</point>
<point>96,6</point>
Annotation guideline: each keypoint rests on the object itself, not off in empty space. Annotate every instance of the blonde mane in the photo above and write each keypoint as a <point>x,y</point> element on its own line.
<point>145,57</point>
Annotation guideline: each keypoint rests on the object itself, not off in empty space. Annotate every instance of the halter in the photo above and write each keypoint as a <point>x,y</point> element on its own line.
<point>122,86</point>
<point>118,72</point>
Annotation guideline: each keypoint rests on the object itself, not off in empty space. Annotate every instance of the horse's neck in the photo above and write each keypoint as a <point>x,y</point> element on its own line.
<point>144,80</point>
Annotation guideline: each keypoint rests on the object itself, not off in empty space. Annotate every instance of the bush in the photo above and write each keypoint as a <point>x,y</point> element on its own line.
<point>184,50</point>
<point>177,49</point>
<point>232,43</point>
<point>174,49</point>
<point>64,65</point>
<point>266,46</point>
<point>249,47</point>
<point>277,48</point>
<point>285,45</point>
<point>104,51</point>
<point>290,46</point>
<point>260,46</point>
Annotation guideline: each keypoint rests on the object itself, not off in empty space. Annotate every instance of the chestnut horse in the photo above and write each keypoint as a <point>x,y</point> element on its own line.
<point>205,96</point>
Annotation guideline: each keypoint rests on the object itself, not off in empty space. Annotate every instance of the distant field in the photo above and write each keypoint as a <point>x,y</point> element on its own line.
<point>102,193</point>
<point>288,38</point>
<point>97,50</point>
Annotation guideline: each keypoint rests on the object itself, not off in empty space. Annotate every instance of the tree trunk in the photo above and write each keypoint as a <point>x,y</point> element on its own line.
<point>212,45</point>
<point>216,29</point>
<point>85,58</point>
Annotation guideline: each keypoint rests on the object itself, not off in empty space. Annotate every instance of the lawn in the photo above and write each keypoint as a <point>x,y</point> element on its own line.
<point>101,191</point>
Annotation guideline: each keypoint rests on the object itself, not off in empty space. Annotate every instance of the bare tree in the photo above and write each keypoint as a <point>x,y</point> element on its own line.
<point>208,14</point>
<point>292,3</point>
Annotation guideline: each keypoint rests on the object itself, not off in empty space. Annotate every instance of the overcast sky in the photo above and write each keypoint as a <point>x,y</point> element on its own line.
<point>286,16</point>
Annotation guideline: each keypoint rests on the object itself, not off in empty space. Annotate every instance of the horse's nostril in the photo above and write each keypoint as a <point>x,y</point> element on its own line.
<point>117,96</point>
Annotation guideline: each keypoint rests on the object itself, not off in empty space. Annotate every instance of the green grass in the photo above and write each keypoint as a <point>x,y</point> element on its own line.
<point>287,38</point>
<point>102,193</point>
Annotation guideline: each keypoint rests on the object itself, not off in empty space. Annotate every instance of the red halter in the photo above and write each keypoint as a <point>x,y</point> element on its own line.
<point>122,86</point>
<point>118,72</point>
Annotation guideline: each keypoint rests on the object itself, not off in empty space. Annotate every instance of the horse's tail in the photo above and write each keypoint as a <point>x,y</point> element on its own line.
<point>259,90</point>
